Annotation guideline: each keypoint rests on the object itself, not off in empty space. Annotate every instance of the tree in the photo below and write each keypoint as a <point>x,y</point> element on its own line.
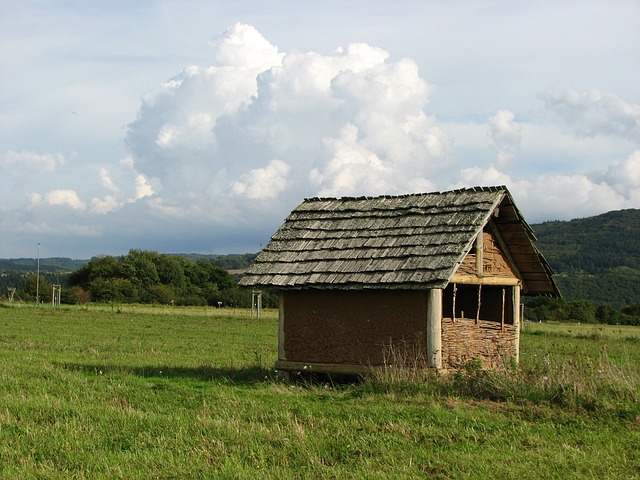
<point>150,277</point>
<point>163,294</point>
<point>607,314</point>
<point>582,311</point>
<point>171,271</point>
<point>74,296</point>
<point>32,287</point>
<point>113,290</point>
<point>139,267</point>
<point>630,315</point>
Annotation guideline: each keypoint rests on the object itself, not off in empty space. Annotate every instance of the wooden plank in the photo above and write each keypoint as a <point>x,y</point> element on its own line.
<point>341,369</point>
<point>473,280</point>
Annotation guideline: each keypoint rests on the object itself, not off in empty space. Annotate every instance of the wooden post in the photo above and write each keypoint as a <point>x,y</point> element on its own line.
<point>479,303</point>
<point>453,314</point>
<point>434,328</point>
<point>516,319</point>
<point>281,354</point>
<point>502,317</point>
<point>479,255</point>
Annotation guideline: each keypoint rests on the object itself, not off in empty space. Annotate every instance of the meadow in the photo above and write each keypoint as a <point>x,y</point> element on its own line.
<point>160,392</point>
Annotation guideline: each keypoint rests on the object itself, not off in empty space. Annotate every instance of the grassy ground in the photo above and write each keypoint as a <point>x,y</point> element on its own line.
<point>142,392</point>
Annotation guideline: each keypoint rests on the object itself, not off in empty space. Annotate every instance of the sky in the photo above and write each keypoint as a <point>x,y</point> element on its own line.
<point>185,126</point>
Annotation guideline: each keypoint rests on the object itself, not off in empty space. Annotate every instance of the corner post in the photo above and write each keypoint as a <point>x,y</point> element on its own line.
<point>281,355</point>
<point>516,319</point>
<point>434,328</point>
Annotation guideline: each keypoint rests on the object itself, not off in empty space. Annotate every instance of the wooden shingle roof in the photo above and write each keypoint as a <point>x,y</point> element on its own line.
<point>394,242</point>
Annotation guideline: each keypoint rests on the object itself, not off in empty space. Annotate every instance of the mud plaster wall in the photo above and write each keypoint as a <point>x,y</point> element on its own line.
<point>465,340</point>
<point>494,261</point>
<point>352,327</point>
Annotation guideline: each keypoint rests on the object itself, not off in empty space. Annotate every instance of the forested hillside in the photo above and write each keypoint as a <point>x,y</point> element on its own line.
<point>595,258</point>
<point>592,245</point>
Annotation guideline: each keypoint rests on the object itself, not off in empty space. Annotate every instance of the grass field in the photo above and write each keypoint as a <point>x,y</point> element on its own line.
<point>144,392</point>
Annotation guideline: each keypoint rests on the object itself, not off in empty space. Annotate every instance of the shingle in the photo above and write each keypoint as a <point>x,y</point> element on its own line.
<point>407,241</point>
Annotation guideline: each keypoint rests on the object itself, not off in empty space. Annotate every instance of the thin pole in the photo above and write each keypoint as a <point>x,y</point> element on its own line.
<point>503,299</point>
<point>38,277</point>
<point>479,301</point>
<point>453,313</point>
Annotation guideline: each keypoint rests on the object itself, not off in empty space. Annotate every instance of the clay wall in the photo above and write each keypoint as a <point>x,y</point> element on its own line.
<point>494,261</point>
<point>352,327</point>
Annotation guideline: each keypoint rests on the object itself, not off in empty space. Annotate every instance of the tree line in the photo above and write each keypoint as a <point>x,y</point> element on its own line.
<point>144,276</point>
<point>540,309</point>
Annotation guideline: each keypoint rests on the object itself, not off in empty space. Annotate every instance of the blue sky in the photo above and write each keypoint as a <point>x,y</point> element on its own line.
<point>196,126</point>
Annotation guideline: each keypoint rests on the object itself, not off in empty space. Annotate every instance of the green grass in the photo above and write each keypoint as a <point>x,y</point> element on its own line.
<point>144,392</point>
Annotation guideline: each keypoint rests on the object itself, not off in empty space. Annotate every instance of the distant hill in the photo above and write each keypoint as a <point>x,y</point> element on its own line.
<point>54,264</point>
<point>595,258</point>
<point>238,261</point>
<point>234,261</point>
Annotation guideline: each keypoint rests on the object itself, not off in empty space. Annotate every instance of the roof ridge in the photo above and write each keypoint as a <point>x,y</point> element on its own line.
<point>478,188</point>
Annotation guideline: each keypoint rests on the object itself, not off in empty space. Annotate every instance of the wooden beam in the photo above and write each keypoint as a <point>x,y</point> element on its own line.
<point>339,369</point>
<point>473,280</point>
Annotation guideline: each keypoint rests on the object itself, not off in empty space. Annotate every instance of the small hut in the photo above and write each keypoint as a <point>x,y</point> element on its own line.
<point>438,275</point>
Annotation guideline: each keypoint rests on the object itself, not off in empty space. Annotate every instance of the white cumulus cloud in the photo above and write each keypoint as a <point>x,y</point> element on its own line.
<point>263,124</point>
<point>65,197</point>
<point>505,135</point>
<point>264,183</point>
<point>594,112</point>
<point>624,176</point>
<point>27,162</point>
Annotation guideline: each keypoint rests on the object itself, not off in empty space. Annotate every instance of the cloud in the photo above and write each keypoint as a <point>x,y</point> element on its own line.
<point>264,183</point>
<point>27,162</point>
<point>223,150</point>
<point>624,177</point>
<point>106,180</point>
<point>137,190</point>
<point>505,136</point>
<point>244,47</point>
<point>42,229</point>
<point>594,112</point>
<point>143,188</point>
<point>65,197</point>
<point>565,196</point>
<point>105,205</point>
<point>260,124</point>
